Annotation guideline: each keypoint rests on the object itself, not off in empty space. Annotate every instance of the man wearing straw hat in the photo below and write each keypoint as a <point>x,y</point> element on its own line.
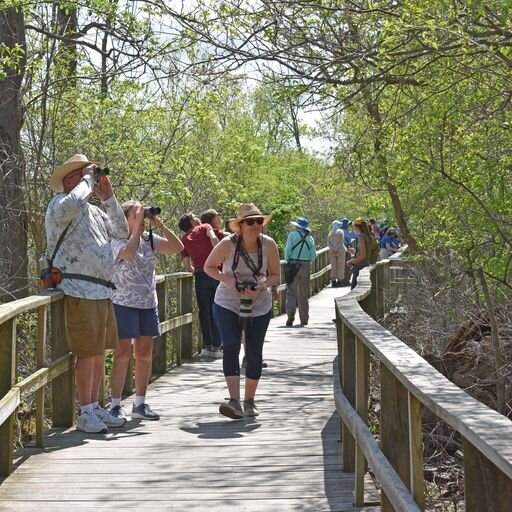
<point>78,237</point>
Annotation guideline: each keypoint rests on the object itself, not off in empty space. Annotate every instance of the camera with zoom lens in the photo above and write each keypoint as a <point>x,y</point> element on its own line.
<point>152,211</point>
<point>245,302</point>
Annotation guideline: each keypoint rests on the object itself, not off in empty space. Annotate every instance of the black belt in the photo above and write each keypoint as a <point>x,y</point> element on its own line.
<point>97,280</point>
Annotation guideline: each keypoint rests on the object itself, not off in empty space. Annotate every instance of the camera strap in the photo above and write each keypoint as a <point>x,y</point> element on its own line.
<point>97,280</point>
<point>59,242</point>
<point>240,250</point>
<point>301,242</point>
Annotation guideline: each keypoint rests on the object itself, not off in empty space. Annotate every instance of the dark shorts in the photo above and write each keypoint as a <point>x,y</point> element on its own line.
<point>90,326</point>
<point>135,322</point>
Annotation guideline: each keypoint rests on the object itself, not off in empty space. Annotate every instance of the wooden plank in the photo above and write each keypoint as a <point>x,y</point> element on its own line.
<point>42,322</point>
<point>397,492</point>
<point>63,386</point>
<point>485,486</point>
<point>193,459</point>
<point>7,380</point>
<point>486,429</point>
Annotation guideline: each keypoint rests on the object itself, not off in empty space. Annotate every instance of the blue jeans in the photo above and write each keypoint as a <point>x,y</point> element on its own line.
<point>231,334</point>
<point>205,293</point>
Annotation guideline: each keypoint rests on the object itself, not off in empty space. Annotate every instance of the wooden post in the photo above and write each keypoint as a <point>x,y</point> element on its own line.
<point>160,343</point>
<point>361,406</point>
<point>417,481</point>
<point>386,292</point>
<point>348,384</point>
<point>42,315</point>
<point>63,386</point>
<point>394,426</point>
<point>185,301</point>
<point>380,290</point>
<point>7,381</point>
<point>485,486</point>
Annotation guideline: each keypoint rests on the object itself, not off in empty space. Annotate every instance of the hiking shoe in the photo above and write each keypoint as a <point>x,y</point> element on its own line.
<point>232,409</point>
<point>250,408</point>
<point>117,412</point>
<point>90,423</point>
<point>109,419</point>
<point>144,412</point>
<point>290,320</point>
<point>206,352</point>
<point>216,353</point>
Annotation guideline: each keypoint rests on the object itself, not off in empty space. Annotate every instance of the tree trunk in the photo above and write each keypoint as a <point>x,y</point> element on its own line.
<point>13,224</point>
<point>401,219</point>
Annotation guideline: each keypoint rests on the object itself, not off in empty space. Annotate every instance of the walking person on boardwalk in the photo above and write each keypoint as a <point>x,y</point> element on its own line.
<point>198,241</point>
<point>300,249</point>
<point>361,251</point>
<point>243,301</point>
<point>337,251</point>
<point>79,234</point>
<point>135,303</point>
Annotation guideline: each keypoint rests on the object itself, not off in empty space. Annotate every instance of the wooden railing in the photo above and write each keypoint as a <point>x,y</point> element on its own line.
<point>179,340</point>
<point>407,384</point>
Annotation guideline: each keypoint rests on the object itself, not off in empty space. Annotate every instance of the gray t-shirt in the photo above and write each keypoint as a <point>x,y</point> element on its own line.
<point>225,298</point>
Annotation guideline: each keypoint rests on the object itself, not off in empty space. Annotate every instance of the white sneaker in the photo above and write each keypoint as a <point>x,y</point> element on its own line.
<point>217,353</point>
<point>108,419</point>
<point>90,423</point>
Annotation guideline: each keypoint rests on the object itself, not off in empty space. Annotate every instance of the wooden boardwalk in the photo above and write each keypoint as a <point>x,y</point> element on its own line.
<point>193,459</point>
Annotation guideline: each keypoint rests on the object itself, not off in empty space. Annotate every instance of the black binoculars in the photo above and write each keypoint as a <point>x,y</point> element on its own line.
<point>101,171</point>
<point>152,211</point>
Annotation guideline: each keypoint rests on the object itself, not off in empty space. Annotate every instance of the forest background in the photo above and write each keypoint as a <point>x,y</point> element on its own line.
<point>201,104</point>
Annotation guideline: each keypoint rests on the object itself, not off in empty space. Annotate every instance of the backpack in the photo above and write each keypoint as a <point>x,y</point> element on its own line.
<point>374,250</point>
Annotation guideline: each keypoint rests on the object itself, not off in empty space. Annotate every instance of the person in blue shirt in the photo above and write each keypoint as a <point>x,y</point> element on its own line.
<point>389,244</point>
<point>300,248</point>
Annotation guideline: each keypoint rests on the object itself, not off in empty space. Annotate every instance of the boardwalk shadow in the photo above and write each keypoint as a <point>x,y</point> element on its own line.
<point>222,429</point>
<point>59,439</point>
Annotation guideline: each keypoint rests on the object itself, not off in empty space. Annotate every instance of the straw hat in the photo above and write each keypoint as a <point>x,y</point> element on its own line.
<point>71,164</point>
<point>246,211</point>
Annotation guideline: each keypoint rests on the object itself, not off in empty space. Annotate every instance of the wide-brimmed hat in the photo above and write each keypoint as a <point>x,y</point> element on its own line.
<point>301,223</point>
<point>71,164</point>
<point>246,211</point>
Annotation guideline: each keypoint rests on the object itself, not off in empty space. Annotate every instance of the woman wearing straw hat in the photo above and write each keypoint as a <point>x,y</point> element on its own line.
<point>243,301</point>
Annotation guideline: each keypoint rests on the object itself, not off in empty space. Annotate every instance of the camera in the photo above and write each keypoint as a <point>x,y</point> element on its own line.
<point>152,211</point>
<point>245,302</point>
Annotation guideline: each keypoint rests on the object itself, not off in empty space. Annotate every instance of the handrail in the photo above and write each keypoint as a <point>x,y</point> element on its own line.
<point>60,371</point>
<point>408,383</point>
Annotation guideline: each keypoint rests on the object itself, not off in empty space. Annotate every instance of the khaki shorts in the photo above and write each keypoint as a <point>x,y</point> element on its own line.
<point>90,326</point>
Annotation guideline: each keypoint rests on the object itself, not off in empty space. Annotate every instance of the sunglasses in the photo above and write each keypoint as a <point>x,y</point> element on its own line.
<point>250,222</point>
